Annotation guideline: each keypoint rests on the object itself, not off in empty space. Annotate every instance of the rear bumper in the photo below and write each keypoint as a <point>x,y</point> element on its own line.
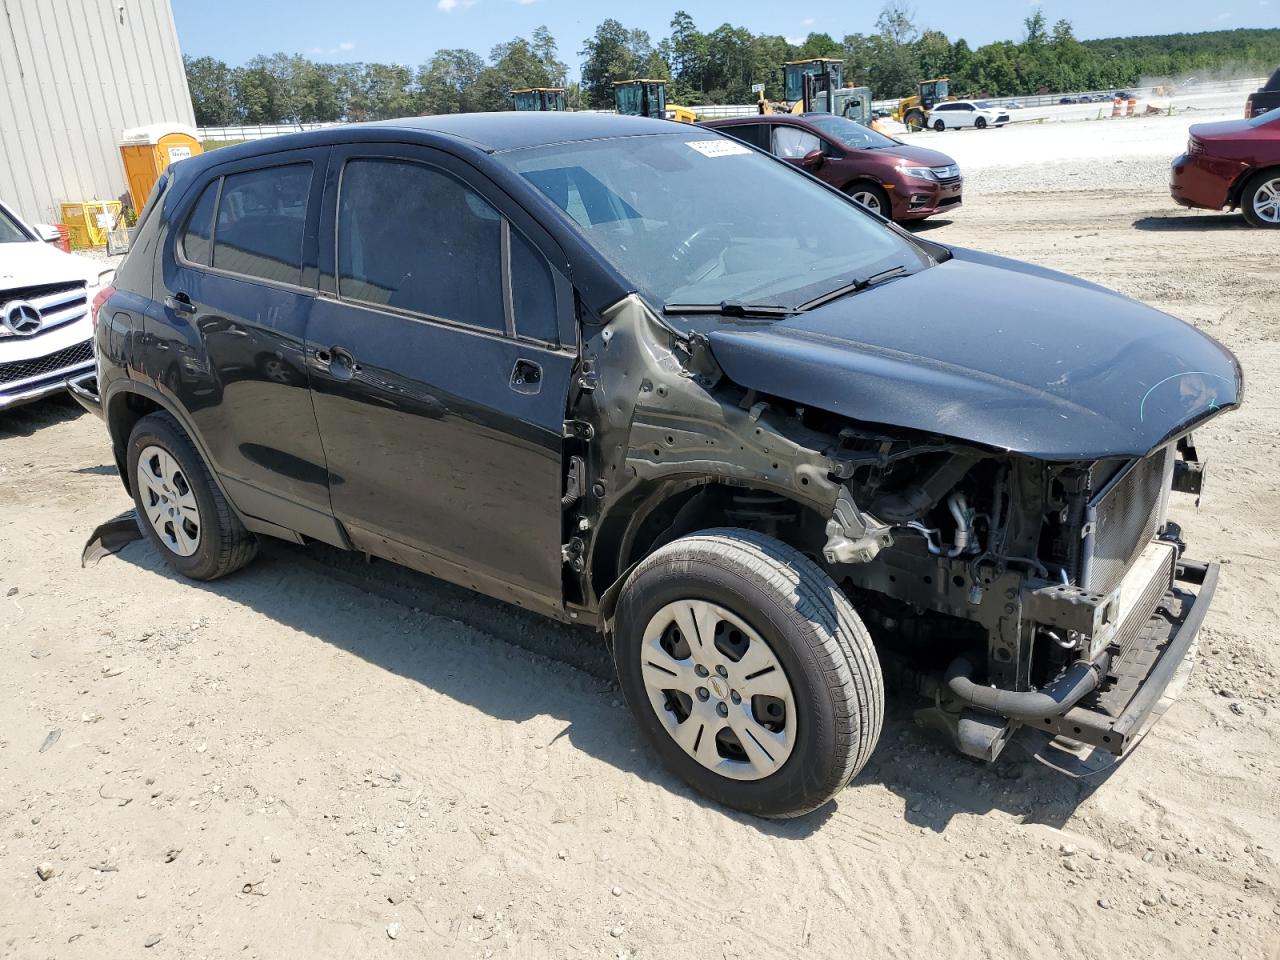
<point>84,390</point>
<point>1166,643</point>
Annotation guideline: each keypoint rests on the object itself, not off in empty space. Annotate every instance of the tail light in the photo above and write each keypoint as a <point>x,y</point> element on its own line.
<point>101,297</point>
<point>1248,107</point>
<point>1195,147</point>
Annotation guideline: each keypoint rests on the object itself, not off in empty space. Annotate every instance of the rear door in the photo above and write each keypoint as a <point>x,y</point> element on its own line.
<point>225,340</point>
<point>440,354</point>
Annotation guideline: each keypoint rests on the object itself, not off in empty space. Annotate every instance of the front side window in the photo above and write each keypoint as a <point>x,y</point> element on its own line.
<point>413,238</point>
<point>792,143</point>
<point>667,211</point>
<point>260,223</point>
<point>197,238</point>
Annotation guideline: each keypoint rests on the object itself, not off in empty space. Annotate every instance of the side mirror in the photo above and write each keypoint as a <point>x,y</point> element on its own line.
<point>813,160</point>
<point>47,232</point>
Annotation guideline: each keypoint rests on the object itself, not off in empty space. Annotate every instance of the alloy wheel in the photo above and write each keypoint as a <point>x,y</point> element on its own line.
<point>718,689</point>
<point>867,199</point>
<point>168,501</point>
<point>1266,201</point>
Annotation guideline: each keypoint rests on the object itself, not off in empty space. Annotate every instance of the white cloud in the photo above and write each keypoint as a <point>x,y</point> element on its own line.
<point>807,22</point>
<point>346,45</point>
<point>525,3</point>
<point>448,6</point>
<point>794,41</point>
<point>1224,16</point>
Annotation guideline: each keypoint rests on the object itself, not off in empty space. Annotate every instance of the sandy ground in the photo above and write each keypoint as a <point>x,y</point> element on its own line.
<point>285,764</point>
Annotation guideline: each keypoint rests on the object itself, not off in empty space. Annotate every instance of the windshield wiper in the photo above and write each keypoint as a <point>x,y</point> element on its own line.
<point>727,308</point>
<point>855,287</point>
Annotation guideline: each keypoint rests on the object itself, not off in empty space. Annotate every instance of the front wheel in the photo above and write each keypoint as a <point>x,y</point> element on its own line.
<point>1260,199</point>
<point>871,196</point>
<point>981,123</point>
<point>939,125</point>
<point>749,671</point>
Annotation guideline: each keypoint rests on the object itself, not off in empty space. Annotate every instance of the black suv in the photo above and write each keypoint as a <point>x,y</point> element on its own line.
<point>638,375</point>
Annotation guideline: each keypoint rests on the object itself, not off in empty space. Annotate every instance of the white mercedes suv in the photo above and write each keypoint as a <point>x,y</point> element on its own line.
<point>46,334</point>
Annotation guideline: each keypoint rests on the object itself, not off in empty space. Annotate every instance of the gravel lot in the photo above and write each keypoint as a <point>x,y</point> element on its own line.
<point>285,764</point>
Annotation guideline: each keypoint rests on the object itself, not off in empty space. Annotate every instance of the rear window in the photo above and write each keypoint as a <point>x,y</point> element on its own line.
<point>260,223</point>
<point>756,134</point>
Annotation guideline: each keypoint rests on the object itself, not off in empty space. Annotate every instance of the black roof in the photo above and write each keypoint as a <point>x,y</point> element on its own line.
<point>487,132</point>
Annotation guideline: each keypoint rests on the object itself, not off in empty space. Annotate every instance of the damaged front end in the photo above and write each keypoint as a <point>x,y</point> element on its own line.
<point>1012,590</point>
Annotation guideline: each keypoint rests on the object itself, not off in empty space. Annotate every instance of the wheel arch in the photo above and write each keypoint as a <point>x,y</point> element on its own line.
<point>667,510</point>
<point>1236,192</point>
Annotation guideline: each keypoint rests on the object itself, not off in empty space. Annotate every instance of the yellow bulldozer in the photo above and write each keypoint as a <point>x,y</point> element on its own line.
<point>914,111</point>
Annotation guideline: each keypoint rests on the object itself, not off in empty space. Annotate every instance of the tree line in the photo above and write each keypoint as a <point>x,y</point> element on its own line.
<point>719,66</point>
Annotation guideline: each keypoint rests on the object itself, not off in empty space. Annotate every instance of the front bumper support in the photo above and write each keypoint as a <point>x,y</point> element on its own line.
<point>84,389</point>
<point>1165,643</point>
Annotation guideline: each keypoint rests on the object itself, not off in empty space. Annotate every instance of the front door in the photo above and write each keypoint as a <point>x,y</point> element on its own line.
<point>440,356</point>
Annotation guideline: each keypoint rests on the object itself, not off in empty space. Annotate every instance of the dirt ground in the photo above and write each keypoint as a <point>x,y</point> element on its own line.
<point>283,764</point>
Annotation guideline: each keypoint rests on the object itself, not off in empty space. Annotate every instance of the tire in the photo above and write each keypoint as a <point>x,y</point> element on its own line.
<point>812,701</point>
<point>1260,199</point>
<point>940,125</point>
<point>872,196</point>
<point>980,123</point>
<point>194,529</point>
<point>914,120</point>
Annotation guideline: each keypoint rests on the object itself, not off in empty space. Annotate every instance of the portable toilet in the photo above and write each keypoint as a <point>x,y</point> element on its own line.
<point>148,151</point>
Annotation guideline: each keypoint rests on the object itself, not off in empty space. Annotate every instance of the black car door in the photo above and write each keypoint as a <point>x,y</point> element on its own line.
<point>440,353</point>
<point>238,281</point>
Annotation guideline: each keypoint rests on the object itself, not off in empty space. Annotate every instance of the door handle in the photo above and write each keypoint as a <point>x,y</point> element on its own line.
<point>526,377</point>
<point>180,303</point>
<point>342,365</point>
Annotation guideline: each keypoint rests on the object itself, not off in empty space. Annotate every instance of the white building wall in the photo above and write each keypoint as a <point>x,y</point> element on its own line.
<point>76,73</point>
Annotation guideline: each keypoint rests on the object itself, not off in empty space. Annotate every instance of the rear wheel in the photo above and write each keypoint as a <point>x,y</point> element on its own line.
<point>1260,199</point>
<point>939,125</point>
<point>180,508</point>
<point>872,196</point>
<point>749,671</point>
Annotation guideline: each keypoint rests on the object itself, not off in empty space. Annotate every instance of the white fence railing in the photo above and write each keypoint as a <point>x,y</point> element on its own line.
<point>720,111</point>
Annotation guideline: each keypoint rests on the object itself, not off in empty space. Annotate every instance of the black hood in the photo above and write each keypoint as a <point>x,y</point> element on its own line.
<point>995,352</point>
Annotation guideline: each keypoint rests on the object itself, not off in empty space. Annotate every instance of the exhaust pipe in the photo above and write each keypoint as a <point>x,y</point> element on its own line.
<point>1081,678</point>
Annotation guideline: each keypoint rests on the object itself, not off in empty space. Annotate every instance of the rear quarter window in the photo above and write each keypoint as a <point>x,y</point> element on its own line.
<point>261,219</point>
<point>197,236</point>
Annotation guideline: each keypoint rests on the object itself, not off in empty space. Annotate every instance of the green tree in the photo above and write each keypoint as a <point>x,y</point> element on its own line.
<point>209,81</point>
<point>615,53</point>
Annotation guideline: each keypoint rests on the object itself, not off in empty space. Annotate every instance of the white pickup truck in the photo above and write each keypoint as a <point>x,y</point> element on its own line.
<point>46,334</point>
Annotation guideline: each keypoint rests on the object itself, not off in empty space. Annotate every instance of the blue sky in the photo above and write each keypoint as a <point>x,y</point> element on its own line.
<point>408,31</point>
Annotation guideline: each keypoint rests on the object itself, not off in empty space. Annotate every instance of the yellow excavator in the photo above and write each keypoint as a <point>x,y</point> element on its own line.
<point>648,98</point>
<point>914,111</point>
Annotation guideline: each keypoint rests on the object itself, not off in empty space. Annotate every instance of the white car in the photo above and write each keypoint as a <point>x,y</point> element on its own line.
<point>46,334</point>
<point>954,114</point>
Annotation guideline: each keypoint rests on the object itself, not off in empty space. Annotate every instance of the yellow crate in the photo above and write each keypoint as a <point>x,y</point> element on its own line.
<point>90,221</point>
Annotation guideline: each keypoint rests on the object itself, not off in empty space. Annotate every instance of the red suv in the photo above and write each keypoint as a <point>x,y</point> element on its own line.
<point>898,181</point>
<point>1235,163</point>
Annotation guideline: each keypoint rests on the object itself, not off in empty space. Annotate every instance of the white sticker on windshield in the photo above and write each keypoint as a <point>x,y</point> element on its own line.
<point>718,148</point>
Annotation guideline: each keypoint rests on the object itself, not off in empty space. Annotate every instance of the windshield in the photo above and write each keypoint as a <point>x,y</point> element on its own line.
<point>851,134</point>
<point>982,104</point>
<point>697,218</point>
<point>10,230</point>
